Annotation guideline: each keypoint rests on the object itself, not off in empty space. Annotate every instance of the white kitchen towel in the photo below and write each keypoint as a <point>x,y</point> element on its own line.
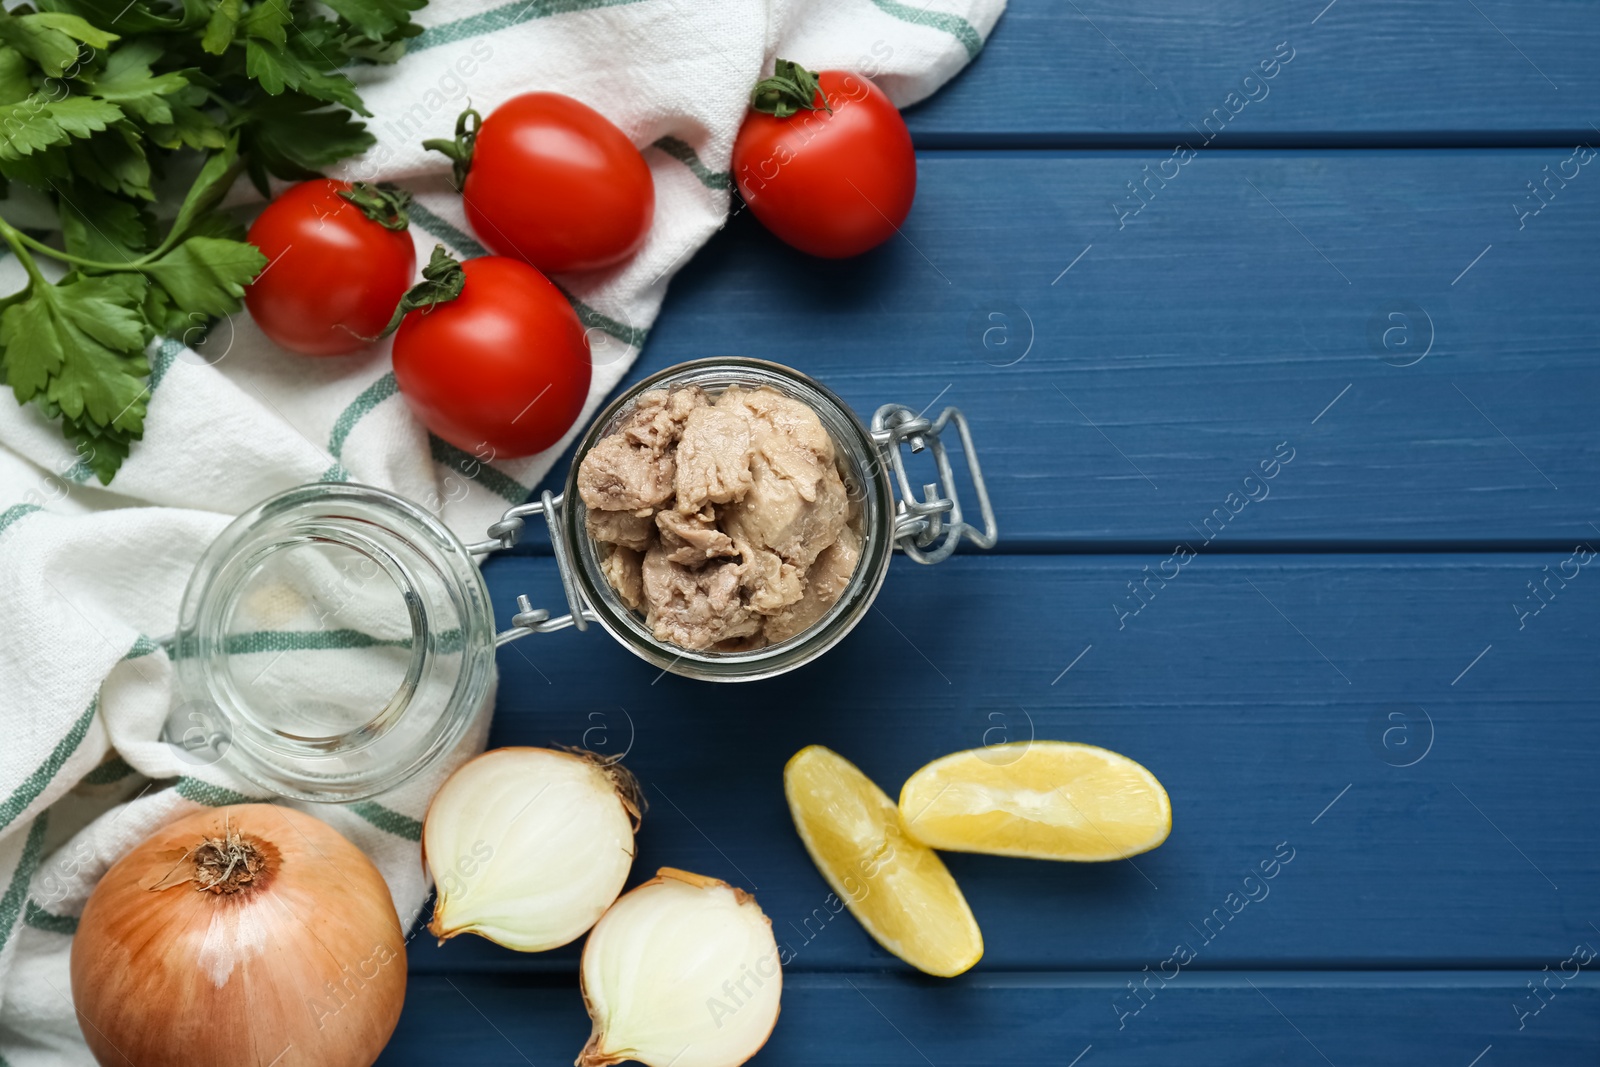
<point>92,575</point>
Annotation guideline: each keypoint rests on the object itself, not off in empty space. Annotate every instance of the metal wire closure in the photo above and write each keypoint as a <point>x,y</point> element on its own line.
<point>506,533</point>
<point>929,529</point>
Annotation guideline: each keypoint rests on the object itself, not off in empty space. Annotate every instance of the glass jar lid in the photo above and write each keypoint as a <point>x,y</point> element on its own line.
<point>333,640</point>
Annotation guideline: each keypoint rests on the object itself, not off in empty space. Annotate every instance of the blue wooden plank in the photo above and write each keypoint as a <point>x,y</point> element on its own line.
<point>1431,364</point>
<point>1407,73</point>
<point>1198,1019</point>
<point>1413,729</point>
<point>1259,689</point>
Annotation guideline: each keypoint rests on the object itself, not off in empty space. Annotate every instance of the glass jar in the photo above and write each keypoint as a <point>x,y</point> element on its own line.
<point>332,641</point>
<point>336,639</point>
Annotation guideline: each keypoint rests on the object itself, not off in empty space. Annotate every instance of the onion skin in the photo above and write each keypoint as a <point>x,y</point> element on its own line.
<point>305,962</point>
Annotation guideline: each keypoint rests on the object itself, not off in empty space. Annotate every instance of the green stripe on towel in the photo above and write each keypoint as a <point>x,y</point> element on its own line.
<point>143,645</point>
<point>17,891</point>
<point>387,820</point>
<point>503,17</point>
<point>34,784</point>
<point>954,25</point>
<point>166,355</point>
<point>49,921</point>
<point>214,796</point>
<point>15,512</point>
<point>594,320</point>
<point>249,644</point>
<point>114,769</point>
<point>258,642</point>
<point>369,398</point>
<point>718,180</point>
<point>445,231</point>
<point>79,472</point>
<point>496,481</point>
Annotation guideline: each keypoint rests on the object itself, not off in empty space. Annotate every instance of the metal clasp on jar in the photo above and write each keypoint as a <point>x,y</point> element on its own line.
<point>505,534</point>
<point>929,529</point>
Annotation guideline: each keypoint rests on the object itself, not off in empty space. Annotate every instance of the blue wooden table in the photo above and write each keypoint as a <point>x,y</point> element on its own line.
<point>1375,267</point>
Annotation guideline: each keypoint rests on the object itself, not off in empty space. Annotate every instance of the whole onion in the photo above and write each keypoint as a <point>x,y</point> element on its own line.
<point>246,935</point>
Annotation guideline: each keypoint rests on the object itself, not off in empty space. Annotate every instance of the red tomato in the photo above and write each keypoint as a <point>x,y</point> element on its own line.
<point>554,183</point>
<point>333,276</point>
<point>831,184</point>
<point>501,370</point>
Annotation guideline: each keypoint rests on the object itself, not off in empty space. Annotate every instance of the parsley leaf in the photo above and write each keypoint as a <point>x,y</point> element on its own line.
<point>222,26</point>
<point>127,81</point>
<point>208,275</point>
<point>96,225</point>
<point>14,83</point>
<point>98,98</point>
<point>127,18</point>
<point>81,344</point>
<point>51,39</point>
<point>209,187</point>
<point>82,115</point>
<point>295,136</point>
<point>279,67</point>
<point>26,127</point>
<point>36,122</point>
<point>190,128</point>
<point>115,161</point>
<point>102,448</point>
<point>379,19</point>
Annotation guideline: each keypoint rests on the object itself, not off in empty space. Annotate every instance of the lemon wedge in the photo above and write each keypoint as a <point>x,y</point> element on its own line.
<point>895,886</point>
<point>1051,800</point>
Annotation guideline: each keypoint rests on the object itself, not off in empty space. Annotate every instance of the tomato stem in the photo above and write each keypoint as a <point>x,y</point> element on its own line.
<point>384,203</point>
<point>459,148</point>
<point>790,89</point>
<point>442,281</point>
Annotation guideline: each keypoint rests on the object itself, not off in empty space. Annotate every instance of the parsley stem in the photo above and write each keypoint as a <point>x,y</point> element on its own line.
<point>68,257</point>
<point>16,239</point>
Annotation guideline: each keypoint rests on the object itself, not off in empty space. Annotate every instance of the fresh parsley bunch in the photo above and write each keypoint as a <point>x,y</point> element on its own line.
<point>105,104</point>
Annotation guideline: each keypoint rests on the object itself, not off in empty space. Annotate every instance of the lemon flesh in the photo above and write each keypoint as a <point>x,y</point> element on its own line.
<point>895,886</point>
<point>1051,800</point>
